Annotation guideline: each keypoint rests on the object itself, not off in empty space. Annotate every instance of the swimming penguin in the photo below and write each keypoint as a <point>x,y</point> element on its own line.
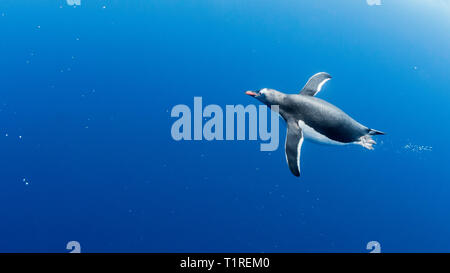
<point>312,118</point>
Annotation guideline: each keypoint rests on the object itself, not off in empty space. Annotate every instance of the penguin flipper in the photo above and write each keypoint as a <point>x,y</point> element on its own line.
<point>315,83</point>
<point>293,146</point>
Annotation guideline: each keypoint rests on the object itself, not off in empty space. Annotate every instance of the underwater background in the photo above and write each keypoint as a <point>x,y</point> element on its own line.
<point>86,153</point>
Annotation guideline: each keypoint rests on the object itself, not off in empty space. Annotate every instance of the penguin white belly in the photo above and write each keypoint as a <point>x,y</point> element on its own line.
<point>315,136</point>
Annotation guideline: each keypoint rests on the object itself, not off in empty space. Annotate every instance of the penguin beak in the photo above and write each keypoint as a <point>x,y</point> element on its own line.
<point>251,93</point>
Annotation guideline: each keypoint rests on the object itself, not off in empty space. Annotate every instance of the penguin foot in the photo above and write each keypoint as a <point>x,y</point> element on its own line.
<point>367,142</point>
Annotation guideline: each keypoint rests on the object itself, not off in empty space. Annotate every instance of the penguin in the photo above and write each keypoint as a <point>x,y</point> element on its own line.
<point>311,118</point>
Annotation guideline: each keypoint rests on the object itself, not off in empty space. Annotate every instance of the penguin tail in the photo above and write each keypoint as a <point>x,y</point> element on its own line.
<point>373,132</point>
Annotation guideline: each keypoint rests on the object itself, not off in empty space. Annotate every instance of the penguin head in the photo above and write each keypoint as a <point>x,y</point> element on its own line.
<point>266,96</point>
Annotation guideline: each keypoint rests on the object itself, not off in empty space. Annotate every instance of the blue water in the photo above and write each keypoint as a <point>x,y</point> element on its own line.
<point>86,152</point>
